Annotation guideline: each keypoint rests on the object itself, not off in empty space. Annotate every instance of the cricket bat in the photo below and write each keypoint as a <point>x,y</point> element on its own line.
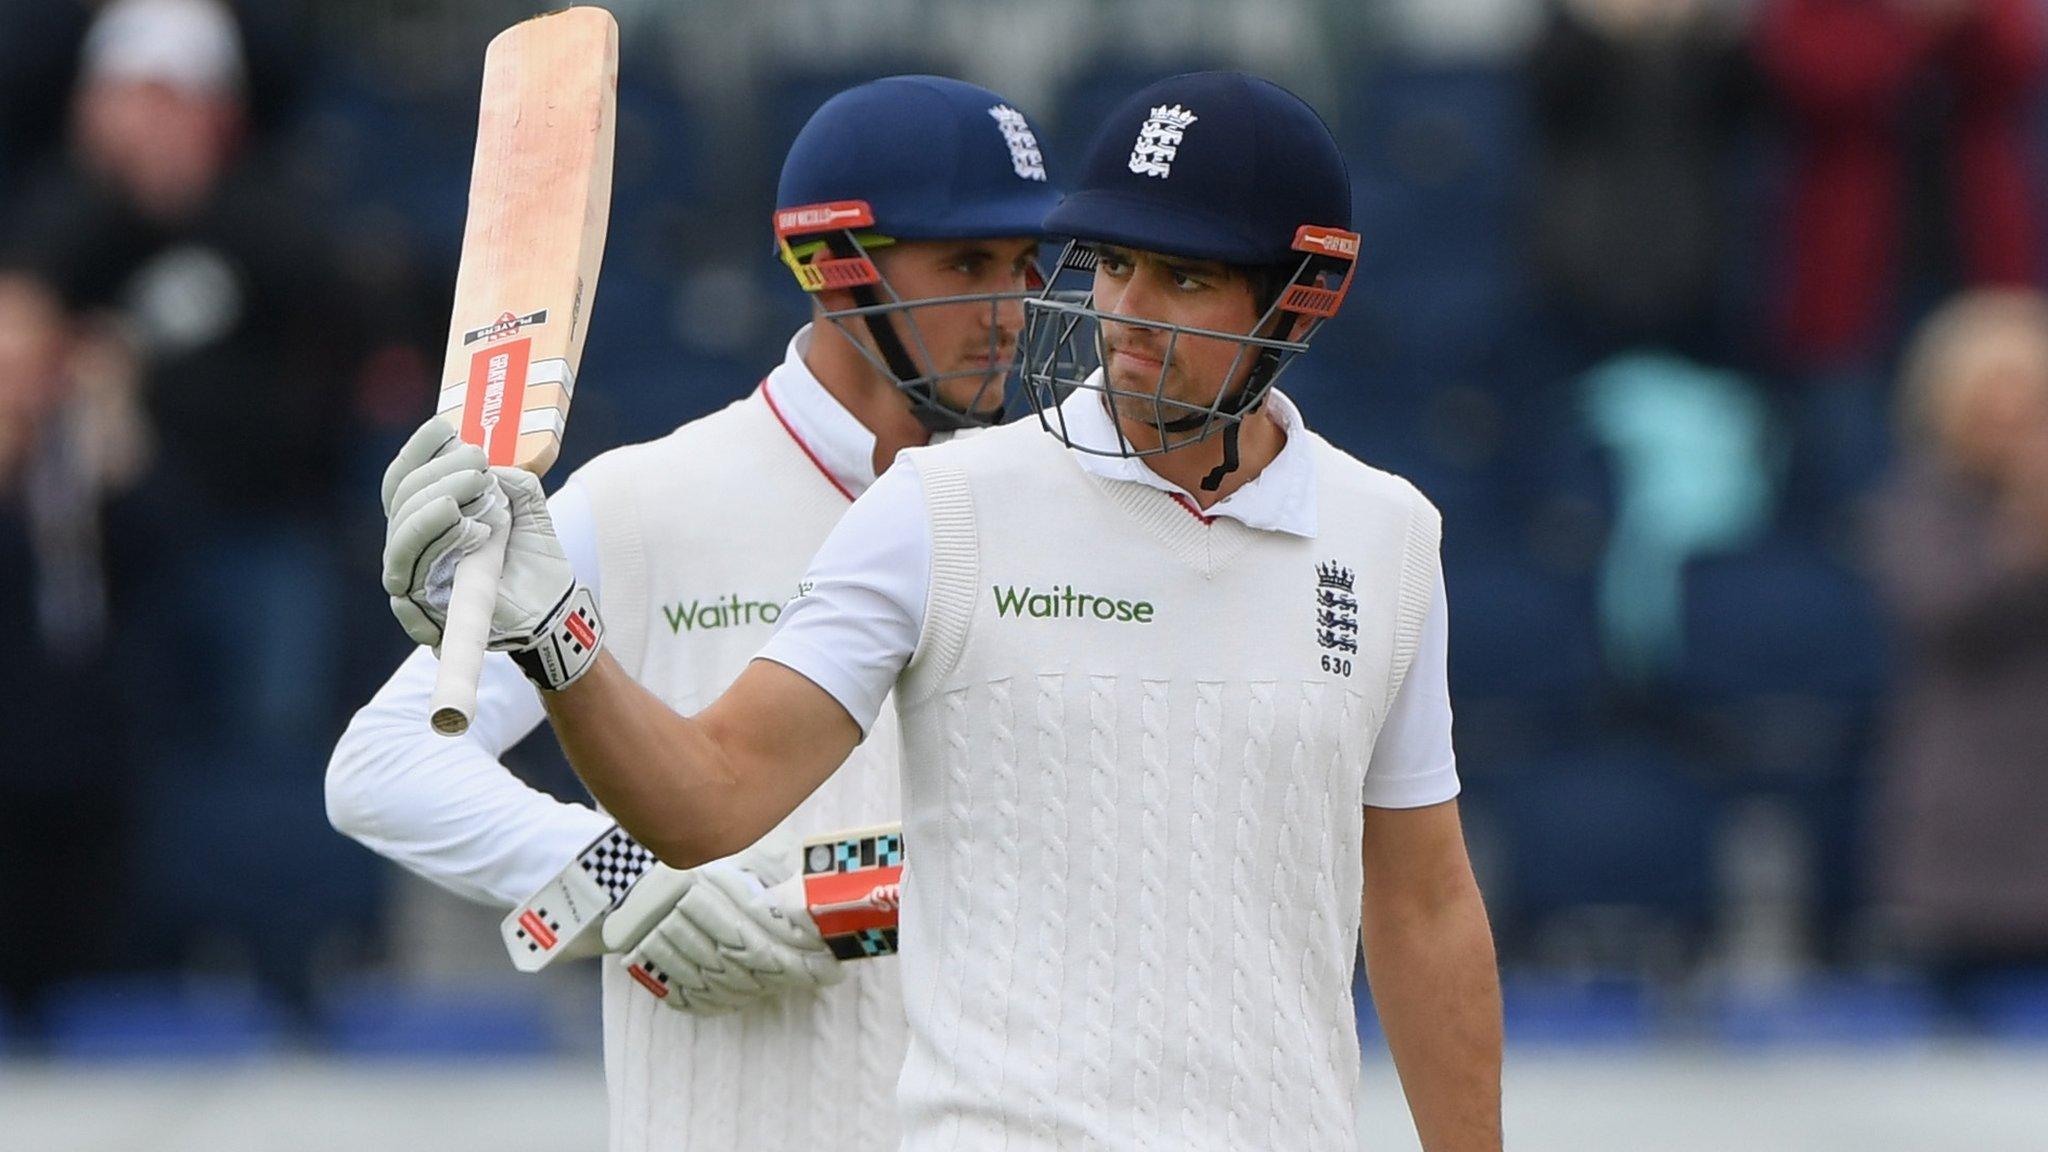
<point>539,200</point>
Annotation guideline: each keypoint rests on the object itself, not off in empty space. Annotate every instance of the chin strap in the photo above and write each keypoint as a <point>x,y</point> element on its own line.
<point>933,413</point>
<point>1214,479</point>
<point>1246,402</point>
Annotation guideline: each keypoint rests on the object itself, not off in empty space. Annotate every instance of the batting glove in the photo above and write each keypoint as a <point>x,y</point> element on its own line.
<point>441,502</point>
<point>710,941</point>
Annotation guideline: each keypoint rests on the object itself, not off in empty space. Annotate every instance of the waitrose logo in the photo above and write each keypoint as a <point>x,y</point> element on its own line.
<point>729,611</point>
<point>1063,602</point>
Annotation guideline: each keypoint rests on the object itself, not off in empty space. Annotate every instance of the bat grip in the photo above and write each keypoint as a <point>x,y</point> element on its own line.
<point>465,636</point>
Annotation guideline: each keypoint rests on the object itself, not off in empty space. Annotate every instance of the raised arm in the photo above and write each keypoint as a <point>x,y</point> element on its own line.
<point>692,789</point>
<point>447,809</point>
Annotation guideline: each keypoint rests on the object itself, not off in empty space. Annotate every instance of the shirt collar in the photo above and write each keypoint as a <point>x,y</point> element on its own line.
<point>840,445</point>
<point>1281,498</point>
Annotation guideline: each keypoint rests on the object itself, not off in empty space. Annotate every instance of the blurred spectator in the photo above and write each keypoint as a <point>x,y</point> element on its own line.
<point>68,439</point>
<point>1695,474</point>
<point>1963,560</point>
<point>171,249</point>
<point>220,279</point>
<point>1908,123</point>
<point>1636,104</point>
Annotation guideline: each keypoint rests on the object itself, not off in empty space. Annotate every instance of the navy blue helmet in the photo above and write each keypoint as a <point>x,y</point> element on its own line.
<point>1211,165</point>
<point>1215,166</point>
<point>908,158</point>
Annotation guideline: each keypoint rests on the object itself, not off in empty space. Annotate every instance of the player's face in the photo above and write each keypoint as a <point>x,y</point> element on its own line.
<point>1196,370</point>
<point>969,346</point>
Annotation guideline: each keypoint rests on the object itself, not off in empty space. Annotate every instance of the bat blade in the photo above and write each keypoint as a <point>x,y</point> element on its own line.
<point>850,886</point>
<point>539,203</point>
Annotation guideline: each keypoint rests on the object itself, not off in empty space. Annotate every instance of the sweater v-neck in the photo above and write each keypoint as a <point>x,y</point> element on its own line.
<point>1206,544</point>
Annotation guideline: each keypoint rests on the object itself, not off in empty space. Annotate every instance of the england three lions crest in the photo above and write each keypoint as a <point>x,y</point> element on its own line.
<point>1159,140</point>
<point>1025,158</point>
<point>1336,613</point>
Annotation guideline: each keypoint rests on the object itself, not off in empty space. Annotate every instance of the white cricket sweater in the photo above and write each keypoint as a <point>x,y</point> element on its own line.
<point>702,536</point>
<point>1134,746</point>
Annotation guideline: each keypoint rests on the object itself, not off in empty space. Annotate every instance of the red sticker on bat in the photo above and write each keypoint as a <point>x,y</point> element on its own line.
<point>495,399</point>
<point>842,902</point>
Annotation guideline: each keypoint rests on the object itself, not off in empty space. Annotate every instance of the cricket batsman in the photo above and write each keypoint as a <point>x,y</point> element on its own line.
<point>1171,687</point>
<point>910,209</point>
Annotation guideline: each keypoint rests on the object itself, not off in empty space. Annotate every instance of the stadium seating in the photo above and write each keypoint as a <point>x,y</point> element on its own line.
<point>384,1018</point>
<point>1784,618</point>
<point>1824,1010</point>
<point>1553,1011</point>
<point>239,855</point>
<point>1438,153</point>
<point>2010,1007</point>
<point>1624,832</point>
<point>1518,631</point>
<point>162,1017</point>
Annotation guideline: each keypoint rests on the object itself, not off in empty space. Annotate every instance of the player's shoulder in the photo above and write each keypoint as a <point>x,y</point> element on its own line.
<point>700,448</point>
<point>984,449</point>
<point>1351,480</point>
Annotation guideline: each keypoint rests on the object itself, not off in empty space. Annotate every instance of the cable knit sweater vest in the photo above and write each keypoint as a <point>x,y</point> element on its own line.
<point>1134,743</point>
<point>702,536</point>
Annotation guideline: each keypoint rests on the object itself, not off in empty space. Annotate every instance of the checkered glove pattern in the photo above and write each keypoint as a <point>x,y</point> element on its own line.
<point>710,940</point>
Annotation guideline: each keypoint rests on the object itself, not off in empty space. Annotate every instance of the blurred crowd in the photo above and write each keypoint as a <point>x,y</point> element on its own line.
<point>1714,326</point>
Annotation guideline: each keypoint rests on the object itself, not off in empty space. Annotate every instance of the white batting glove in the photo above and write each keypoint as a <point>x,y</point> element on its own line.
<point>442,502</point>
<point>709,940</point>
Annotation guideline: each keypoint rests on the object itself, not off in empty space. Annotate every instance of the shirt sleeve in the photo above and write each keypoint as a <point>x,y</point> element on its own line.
<point>446,809</point>
<point>856,621</point>
<point>1413,765</point>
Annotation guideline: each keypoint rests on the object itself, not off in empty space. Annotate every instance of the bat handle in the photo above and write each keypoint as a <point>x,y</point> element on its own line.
<point>465,636</point>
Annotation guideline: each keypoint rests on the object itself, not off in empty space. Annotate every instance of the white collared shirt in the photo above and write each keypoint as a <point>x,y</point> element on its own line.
<point>859,624</point>
<point>1282,498</point>
<point>835,440</point>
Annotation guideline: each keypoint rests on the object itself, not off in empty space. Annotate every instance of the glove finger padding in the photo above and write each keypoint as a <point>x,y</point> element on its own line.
<point>696,966</point>
<point>459,459</point>
<point>424,629</point>
<point>428,441</point>
<point>785,951</point>
<point>472,493</point>
<point>433,531</point>
<point>418,543</point>
<point>521,606</point>
<point>795,933</point>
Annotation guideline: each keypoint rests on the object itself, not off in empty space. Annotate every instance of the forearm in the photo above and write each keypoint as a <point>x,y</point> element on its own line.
<point>1437,990</point>
<point>661,775</point>
<point>448,810</point>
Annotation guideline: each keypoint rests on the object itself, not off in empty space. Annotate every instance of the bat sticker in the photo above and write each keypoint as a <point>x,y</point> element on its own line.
<point>508,325</point>
<point>497,393</point>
